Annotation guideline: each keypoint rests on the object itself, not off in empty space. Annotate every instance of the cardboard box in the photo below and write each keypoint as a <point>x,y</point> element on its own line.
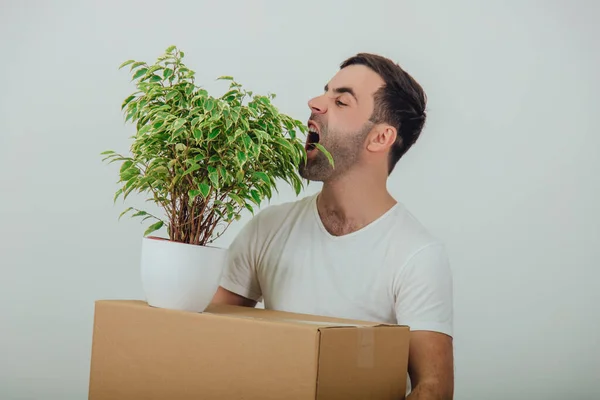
<point>140,352</point>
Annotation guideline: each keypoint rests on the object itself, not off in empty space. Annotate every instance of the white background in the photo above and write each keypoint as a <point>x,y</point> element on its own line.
<point>506,171</point>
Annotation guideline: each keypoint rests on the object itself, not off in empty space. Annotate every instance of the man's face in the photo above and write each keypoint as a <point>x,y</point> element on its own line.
<point>340,122</point>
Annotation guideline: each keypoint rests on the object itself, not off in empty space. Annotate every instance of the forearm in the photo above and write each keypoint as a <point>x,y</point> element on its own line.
<point>427,392</point>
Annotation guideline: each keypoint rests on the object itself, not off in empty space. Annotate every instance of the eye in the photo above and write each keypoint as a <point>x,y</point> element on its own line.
<point>339,103</point>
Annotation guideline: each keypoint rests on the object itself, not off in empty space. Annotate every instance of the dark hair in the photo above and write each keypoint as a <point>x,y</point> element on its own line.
<point>400,102</point>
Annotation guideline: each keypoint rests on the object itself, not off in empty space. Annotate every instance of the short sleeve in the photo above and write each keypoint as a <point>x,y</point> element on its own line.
<point>423,291</point>
<point>239,273</point>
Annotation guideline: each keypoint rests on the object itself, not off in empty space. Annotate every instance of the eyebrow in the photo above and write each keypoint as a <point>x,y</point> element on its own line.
<point>343,89</point>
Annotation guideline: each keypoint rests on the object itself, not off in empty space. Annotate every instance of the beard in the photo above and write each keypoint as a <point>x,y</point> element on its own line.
<point>344,147</point>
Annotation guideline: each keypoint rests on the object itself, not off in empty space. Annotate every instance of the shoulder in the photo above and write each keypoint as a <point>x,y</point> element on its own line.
<point>416,252</point>
<point>412,237</point>
<point>422,280</point>
<point>419,249</point>
<point>269,223</point>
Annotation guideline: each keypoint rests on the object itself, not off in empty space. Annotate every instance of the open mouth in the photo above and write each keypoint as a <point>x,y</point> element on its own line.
<point>312,137</point>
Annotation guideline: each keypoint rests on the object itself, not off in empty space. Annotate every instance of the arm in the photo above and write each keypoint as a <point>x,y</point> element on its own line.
<point>431,366</point>
<point>239,283</point>
<point>224,296</point>
<point>424,302</point>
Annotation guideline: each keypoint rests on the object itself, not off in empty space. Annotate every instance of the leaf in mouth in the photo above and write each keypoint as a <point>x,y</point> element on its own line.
<point>327,154</point>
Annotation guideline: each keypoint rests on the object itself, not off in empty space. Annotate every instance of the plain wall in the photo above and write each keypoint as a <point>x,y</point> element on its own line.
<point>506,171</point>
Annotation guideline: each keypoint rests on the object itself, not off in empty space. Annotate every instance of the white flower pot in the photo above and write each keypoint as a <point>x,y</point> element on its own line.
<point>180,276</point>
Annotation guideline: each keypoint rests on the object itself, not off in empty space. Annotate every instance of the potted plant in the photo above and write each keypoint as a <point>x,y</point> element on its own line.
<point>202,160</point>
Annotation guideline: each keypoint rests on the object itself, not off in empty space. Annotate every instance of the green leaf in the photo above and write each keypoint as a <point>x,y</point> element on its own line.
<point>266,190</point>
<point>161,169</point>
<point>228,123</point>
<point>285,144</point>
<point>126,63</point>
<point>127,101</point>
<point>204,189</point>
<point>327,154</point>
<point>189,89</point>
<point>136,64</point>
<point>225,77</point>
<point>261,134</point>
<point>125,212</point>
<point>148,217</point>
<point>170,49</point>
<point>210,104</point>
<point>171,95</point>
<point>179,122</point>
<point>125,166</point>
<point>241,157</point>
<point>129,173</point>
<point>139,214</point>
<point>214,178</point>
<point>297,185</point>
<point>256,196</point>
<point>197,133</point>
<point>117,194</point>
<point>199,157</point>
<point>202,93</point>
<point>167,73</point>
<point>144,129</point>
<point>154,227</point>
<point>247,141</point>
<point>239,176</point>
<point>155,68</point>
<point>193,194</point>
<point>235,114</point>
<point>191,169</point>
<point>264,177</point>
<point>155,78</point>
<point>107,152</point>
<point>224,174</point>
<point>214,133</point>
<point>237,199</point>
<point>140,72</point>
<point>230,93</point>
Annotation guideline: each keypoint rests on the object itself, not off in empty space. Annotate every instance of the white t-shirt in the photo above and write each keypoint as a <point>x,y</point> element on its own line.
<point>391,270</point>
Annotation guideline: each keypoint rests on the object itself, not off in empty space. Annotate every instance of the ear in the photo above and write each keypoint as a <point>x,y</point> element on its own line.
<point>382,138</point>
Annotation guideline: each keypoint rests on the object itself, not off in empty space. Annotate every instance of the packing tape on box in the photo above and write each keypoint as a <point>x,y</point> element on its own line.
<point>324,323</point>
<point>365,355</point>
<point>365,346</point>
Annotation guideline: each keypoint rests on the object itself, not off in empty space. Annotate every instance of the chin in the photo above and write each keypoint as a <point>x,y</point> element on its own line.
<point>316,171</point>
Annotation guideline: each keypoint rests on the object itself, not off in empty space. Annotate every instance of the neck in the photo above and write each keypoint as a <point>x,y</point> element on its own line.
<point>351,202</point>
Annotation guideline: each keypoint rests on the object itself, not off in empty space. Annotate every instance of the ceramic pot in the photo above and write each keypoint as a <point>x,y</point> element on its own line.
<point>180,276</point>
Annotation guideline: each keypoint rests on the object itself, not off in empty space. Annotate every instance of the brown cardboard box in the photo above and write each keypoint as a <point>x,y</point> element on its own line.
<point>140,352</point>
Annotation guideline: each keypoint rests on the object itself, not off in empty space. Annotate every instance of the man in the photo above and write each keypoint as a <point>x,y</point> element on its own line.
<point>352,250</point>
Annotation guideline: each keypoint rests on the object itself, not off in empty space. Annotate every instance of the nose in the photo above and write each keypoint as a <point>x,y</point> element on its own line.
<point>317,105</point>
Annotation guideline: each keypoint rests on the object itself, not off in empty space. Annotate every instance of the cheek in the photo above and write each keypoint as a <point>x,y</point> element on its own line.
<point>346,120</point>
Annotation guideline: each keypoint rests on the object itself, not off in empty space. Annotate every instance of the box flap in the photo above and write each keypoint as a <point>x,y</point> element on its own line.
<point>314,321</point>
